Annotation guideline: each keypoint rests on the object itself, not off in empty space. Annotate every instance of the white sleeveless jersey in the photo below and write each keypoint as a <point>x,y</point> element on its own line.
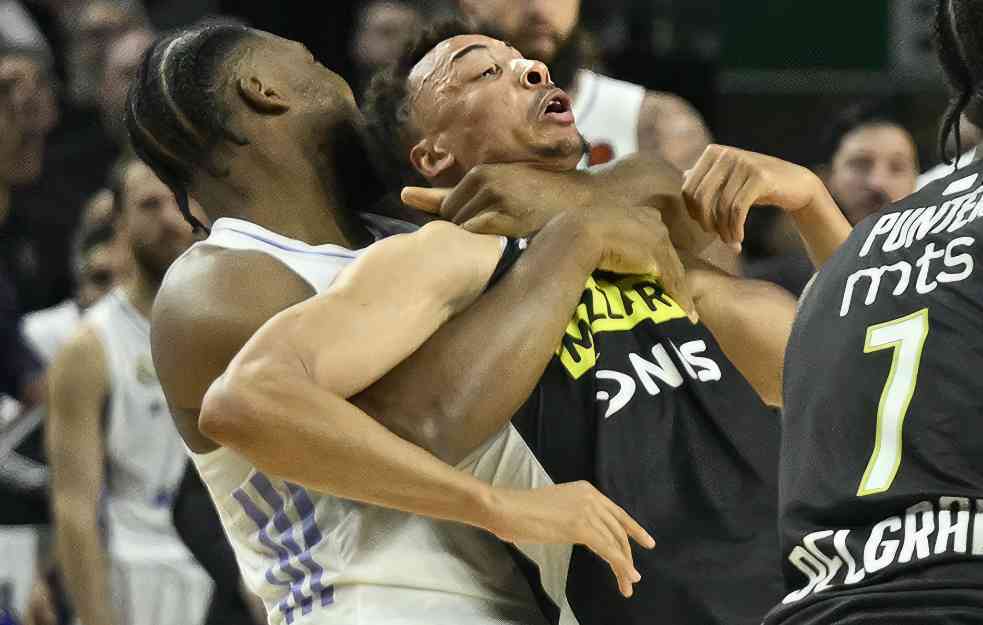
<point>145,458</point>
<point>315,558</point>
<point>607,112</point>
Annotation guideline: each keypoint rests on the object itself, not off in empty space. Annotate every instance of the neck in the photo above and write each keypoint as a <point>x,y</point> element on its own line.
<point>313,197</point>
<point>141,289</point>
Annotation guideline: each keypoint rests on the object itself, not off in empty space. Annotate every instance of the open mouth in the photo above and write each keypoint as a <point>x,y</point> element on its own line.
<point>558,107</point>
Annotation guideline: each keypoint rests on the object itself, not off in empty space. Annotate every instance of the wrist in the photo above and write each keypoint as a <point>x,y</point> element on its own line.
<point>581,231</point>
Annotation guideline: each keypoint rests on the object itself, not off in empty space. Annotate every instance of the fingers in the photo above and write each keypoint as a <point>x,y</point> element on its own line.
<point>636,531</point>
<point>673,277</point>
<point>735,180</point>
<point>696,188</point>
<point>424,199</point>
<point>607,546</point>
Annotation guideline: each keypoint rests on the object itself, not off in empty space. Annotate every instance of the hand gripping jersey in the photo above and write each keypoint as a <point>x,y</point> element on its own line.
<point>881,496</point>
<point>645,405</point>
<point>318,559</point>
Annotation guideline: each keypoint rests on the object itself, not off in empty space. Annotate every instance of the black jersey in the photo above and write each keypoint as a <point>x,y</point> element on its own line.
<point>881,487</point>
<point>645,405</point>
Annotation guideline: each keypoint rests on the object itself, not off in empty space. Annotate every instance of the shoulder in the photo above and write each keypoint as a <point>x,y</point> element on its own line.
<point>210,303</point>
<point>81,362</point>
<point>660,106</point>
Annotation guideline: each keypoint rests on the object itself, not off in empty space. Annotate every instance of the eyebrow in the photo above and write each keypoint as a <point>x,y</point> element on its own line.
<point>467,50</point>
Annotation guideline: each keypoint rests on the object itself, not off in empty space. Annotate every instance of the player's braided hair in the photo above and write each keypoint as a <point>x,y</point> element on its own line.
<point>961,55</point>
<point>386,105</point>
<point>175,114</point>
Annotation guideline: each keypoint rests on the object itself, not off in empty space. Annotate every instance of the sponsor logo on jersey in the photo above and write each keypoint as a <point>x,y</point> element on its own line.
<point>655,373</point>
<point>942,262</point>
<point>946,526</point>
<point>617,305</point>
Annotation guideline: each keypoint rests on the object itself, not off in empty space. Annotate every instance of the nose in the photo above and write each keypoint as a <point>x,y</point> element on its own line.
<point>535,75</point>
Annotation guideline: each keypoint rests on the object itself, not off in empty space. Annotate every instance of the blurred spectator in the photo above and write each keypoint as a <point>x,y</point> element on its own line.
<point>383,29</point>
<point>108,418</point>
<point>90,26</point>
<point>27,113</point>
<point>123,57</point>
<point>871,160</point>
<point>81,152</point>
<point>616,117</point>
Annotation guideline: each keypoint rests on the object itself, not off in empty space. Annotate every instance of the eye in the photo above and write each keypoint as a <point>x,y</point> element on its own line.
<point>491,72</point>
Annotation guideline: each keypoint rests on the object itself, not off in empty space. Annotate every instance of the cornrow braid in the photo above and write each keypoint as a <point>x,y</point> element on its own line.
<point>958,76</point>
<point>175,114</point>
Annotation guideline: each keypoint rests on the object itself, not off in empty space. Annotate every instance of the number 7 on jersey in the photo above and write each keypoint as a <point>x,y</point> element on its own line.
<point>906,336</point>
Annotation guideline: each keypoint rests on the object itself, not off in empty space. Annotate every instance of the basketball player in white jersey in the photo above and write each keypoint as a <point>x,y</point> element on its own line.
<point>270,149</point>
<point>115,457</point>
<point>617,118</point>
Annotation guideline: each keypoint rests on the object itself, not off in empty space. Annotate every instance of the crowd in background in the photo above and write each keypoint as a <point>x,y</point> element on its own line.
<point>65,66</point>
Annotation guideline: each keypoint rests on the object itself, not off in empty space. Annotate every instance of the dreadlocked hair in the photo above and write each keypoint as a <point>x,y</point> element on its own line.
<point>175,114</point>
<point>963,73</point>
<point>387,113</point>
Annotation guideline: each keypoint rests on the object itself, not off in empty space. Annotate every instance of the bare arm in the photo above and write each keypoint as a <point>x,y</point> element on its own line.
<point>751,320</point>
<point>78,388</point>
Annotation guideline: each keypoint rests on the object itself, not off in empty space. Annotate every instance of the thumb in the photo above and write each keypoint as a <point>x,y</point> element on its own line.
<point>424,199</point>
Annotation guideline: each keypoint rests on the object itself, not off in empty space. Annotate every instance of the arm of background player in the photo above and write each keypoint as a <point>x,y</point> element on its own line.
<point>750,319</point>
<point>78,388</point>
<point>291,380</point>
<point>669,125</point>
<point>726,182</point>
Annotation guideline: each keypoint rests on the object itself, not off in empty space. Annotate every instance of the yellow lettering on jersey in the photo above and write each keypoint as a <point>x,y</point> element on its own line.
<point>608,306</point>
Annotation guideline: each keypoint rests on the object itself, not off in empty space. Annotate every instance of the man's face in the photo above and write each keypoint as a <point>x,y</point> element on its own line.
<point>474,100</point>
<point>538,28</point>
<point>385,30</point>
<point>157,231</point>
<point>28,112</point>
<point>98,274</point>
<point>875,165</point>
<point>123,59</point>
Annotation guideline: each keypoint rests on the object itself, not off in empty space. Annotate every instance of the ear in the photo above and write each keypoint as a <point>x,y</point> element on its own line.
<point>430,159</point>
<point>262,97</point>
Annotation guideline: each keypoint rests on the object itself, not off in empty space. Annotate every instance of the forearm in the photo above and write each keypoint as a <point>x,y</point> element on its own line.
<point>466,382</point>
<point>84,565</point>
<point>751,320</point>
<point>822,226</point>
<point>325,443</point>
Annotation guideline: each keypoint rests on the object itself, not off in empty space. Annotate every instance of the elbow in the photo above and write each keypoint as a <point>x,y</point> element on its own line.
<point>228,407</point>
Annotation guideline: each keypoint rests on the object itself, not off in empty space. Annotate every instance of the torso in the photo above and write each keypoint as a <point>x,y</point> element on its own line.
<point>646,406</point>
<point>881,485</point>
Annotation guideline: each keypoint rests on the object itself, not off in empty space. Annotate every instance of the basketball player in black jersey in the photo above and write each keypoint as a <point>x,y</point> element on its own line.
<point>881,497</point>
<point>638,400</point>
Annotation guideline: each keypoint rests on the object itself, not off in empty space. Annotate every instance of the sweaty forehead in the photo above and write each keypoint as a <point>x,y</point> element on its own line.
<point>435,67</point>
